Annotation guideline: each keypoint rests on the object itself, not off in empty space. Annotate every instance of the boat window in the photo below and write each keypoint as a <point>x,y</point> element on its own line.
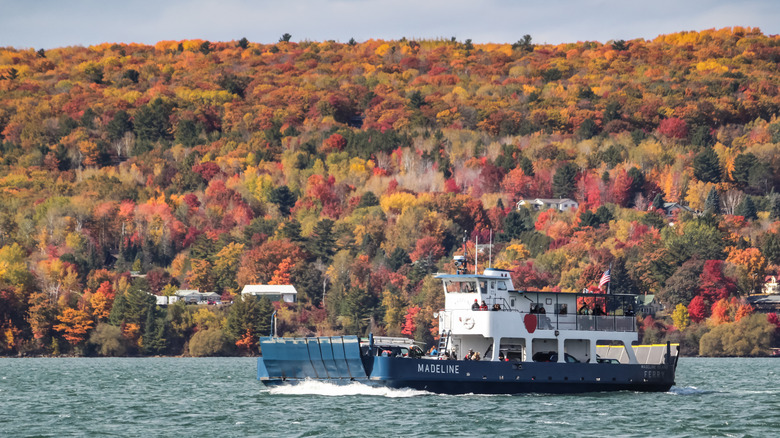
<point>483,286</point>
<point>562,309</point>
<point>461,286</point>
<point>502,285</point>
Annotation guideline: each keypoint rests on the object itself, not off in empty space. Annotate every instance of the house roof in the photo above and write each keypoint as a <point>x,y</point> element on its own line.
<point>671,205</point>
<point>269,289</point>
<point>764,299</point>
<point>548,201</point>
<point>646,300</point>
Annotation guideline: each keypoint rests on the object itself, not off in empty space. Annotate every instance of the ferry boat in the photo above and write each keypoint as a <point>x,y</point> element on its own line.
<point>524,342</point>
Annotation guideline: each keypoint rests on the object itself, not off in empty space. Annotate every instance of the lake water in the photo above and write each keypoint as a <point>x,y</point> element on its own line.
<point>189,397</point>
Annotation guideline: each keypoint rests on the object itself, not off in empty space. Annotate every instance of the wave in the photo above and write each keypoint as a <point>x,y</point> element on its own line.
<point>689,390</point>
<point>314,387</point>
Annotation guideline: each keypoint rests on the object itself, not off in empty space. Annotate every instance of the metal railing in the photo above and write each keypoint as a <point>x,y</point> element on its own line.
<point>553,321</point>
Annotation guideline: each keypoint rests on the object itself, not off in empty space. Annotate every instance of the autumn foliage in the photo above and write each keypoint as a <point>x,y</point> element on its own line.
<point>354,171</point>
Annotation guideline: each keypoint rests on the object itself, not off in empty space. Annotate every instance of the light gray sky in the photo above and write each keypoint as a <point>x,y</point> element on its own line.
<point>57,23</point>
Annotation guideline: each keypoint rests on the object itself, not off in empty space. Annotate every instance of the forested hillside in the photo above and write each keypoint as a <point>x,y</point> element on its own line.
<point>354,170</point>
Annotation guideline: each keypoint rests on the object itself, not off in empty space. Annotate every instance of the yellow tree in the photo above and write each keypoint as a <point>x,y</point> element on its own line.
<point>74,325</point>
<point>680,317</point>
<point>751,264</point>
<point>200,275</point>
<point>102,300</point>
<point>226,263</point>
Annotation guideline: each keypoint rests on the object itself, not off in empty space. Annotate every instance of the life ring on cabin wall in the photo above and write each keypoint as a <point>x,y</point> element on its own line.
<point>468,323</point>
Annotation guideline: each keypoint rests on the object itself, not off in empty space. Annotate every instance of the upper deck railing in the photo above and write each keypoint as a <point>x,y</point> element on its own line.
<point>613,322</point>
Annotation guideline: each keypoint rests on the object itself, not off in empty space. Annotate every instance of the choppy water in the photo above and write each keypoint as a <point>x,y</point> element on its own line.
<point>187,397</point>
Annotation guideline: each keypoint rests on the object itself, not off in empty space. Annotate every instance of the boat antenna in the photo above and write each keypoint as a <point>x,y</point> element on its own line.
<point>490,260</point>
<point>476,252</point>
<point>465,253</point>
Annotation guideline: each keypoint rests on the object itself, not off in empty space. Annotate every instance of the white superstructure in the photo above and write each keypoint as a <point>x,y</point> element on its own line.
<point>531,325</point>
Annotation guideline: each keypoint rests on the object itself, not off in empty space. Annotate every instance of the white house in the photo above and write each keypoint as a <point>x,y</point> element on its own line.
<point>275,292</point>
<point>771,286</point>
<point>192,296</point>
<point>163,300</point>
<point>546,204</point>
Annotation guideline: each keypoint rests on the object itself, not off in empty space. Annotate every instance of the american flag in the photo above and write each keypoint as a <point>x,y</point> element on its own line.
<point>604,279</point>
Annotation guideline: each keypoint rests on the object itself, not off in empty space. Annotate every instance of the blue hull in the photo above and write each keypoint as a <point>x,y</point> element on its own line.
<point>339,361</point>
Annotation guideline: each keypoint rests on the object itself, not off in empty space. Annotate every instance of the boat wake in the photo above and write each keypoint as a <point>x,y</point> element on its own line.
<point>689,390</point>
<point>313,387</point>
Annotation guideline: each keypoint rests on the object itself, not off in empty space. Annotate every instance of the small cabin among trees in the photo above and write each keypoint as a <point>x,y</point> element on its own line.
<point>671,208</point>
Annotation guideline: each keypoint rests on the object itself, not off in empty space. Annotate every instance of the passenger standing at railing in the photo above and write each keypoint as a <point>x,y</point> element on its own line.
<point>483,306</point>
<point>475,306</point>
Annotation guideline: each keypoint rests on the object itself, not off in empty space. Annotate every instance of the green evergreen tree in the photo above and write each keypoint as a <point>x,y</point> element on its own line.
<point>621,282</point>
<point>587,129</point>
<point>322,242</point>
<point>658,201</point>
<point>712,204</point>
<point>368,199</point>
<point>154,340</point>
<point>770,247</point>
<point>291,229</point>
<point>564,181</point>
<point>119,125</point>
<point>604,214</point>
<point>152,121</point>
<point>526,164</point>
<point>308,281</point>
<point>283,197</point>
<point>743,165</point>
<point>746,208</point>
<point>244,314</point>
<point>589,219</point>
<point>706,166</point>
<point>266,309</point>
<point>398,258</point>
<point>774,205</point>
<point>515,223</point>
<point>187,133</point>
<point>118,310</point>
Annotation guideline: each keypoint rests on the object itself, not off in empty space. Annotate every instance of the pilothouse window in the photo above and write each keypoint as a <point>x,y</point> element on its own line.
<point>467,287</point>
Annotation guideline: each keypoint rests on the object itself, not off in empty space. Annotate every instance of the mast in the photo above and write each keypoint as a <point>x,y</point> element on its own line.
<point>476,253</point>
<point>490,260</point>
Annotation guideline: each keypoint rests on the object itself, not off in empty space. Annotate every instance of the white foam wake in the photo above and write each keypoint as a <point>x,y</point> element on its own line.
<point>315,387</point>
<point>688,390</point>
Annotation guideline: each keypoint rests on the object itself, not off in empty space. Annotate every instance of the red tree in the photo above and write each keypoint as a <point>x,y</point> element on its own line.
<point>673,128</point>
<point>409,326</point>
<point>698,309</point>
<point>713,284</point>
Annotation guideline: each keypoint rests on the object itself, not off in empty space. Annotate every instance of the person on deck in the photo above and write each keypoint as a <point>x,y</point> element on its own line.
<point>475,306</point>
<point>483,306</point>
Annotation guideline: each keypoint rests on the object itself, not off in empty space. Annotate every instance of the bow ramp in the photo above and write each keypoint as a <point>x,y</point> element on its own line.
<point>334,358</point>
